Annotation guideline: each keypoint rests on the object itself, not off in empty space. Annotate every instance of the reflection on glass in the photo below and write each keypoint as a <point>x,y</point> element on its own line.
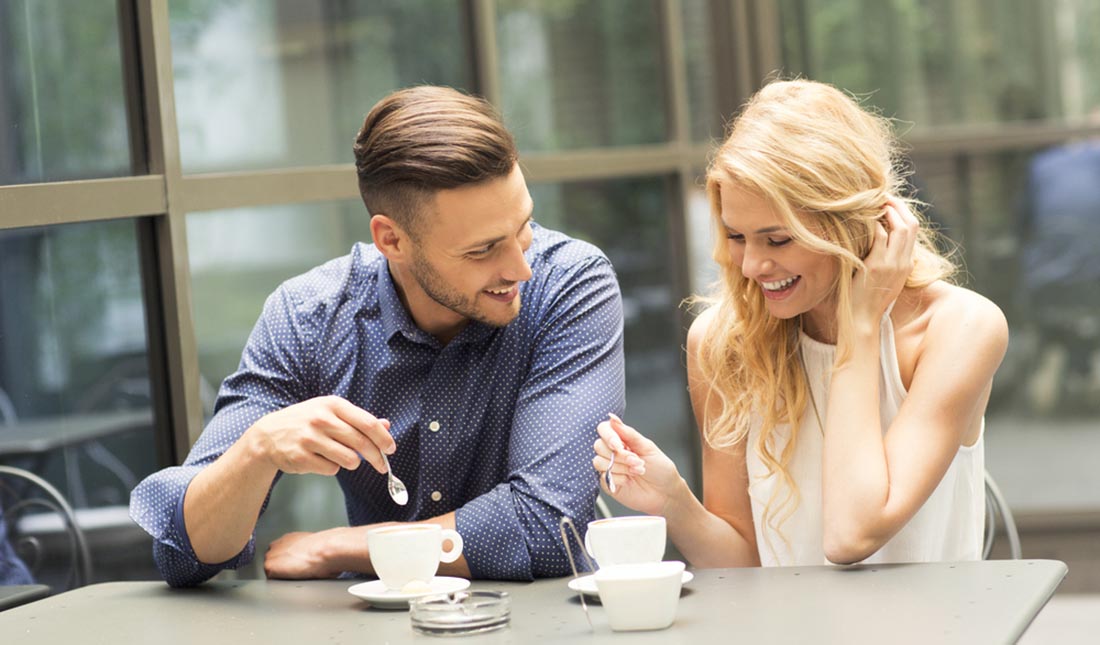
<point>62,108</point>
<point>936,183</point>
<point>238,258</point>
<point>706,122</point>
<point>1060,271</point>
<point>1035,237</point>
<point>75,403</point>
<point>629,220</point>
<point>701,236</point>
<point>1028,221</point>
<point>947,62</point>
<point>264,84</point>
<point>581,73</point>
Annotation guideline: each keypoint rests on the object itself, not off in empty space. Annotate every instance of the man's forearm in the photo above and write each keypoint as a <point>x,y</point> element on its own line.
<point>345,548</point>
<point>223,502</point>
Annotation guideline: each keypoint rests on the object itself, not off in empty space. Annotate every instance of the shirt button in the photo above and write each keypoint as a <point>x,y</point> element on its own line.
<point>436,496</point>
<point>434,426</point>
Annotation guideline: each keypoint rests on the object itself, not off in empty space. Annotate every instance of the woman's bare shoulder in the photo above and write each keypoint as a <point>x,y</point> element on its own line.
<point>709,315</point>
<point>701,325</point>
<point>954,313</point>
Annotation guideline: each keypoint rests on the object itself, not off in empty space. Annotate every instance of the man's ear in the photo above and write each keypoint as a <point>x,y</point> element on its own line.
<point>390,239</point>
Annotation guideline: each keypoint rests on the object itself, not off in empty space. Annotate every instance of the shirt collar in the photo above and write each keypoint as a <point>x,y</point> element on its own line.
<point>395,318</point>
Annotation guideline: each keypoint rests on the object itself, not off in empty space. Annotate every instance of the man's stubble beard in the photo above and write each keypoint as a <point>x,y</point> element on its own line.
<point>433,284</point>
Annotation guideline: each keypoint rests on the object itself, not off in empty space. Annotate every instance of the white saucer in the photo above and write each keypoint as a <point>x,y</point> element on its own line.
<point>587,584</point>
<point>377,595</point>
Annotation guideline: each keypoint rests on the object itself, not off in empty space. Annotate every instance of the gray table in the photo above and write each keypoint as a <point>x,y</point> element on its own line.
<point>972,602</point>
<point>15,595</point>
<point>36,436</point>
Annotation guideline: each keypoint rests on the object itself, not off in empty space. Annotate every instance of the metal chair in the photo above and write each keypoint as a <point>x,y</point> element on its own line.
<point>996,509</point>
<point>26,497</point>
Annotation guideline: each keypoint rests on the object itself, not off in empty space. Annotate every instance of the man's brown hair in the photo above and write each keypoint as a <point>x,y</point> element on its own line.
<point>423,139</point>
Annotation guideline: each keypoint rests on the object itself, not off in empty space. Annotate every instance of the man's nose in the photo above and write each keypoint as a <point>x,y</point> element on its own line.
<point>517,269</point>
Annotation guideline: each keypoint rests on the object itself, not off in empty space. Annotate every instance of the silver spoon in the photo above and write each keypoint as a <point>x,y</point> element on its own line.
<point>608,479</point>
<point>398,491</point>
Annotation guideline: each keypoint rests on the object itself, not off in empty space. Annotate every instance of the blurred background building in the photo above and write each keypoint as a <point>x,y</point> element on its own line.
<point>165,165</point>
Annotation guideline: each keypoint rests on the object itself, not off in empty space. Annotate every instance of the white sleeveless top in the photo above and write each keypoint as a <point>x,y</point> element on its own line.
<point>947,528</point>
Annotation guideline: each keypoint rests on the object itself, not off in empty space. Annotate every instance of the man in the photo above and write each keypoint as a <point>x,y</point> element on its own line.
<point>475,348</point>
<point>12,570</point>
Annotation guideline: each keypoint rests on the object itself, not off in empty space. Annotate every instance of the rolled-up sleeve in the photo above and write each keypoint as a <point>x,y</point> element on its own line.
<point>172,552</point>
<point>576,378</point>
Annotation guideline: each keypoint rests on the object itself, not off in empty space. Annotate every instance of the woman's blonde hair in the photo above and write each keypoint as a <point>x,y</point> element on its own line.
<point>817,157</point>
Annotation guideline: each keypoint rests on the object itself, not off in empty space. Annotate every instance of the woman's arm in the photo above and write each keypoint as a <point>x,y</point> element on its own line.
<point>873,483</point>
<point>717,532</point>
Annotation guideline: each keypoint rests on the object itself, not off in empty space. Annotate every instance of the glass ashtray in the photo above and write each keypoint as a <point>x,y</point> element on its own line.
<point>460,613</point>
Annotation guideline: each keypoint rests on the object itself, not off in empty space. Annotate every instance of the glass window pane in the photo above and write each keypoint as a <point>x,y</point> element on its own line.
<point>238,257</point>
<point>1031,232</point>
<point>699,227</point>
<point>262,83</point>
<point>630,220</point>
<point>581,73</point>
<point>702,78</point>
<point>62,108</point>
<point>75,404</point>
<point>946,62</point>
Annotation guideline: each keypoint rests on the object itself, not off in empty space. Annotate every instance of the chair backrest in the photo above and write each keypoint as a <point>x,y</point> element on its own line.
<point>25,497</point>
<point>997,511</point>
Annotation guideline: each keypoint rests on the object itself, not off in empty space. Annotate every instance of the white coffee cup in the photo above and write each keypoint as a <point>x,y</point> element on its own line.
<point>640,596</point>
<point>410,553</point>
<point>626,540</point>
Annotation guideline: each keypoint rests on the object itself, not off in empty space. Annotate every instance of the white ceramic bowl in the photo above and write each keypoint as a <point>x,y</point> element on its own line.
<point>640,596</point>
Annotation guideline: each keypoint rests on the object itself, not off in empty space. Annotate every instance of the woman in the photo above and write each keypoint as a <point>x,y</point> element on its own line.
<point>839,382</point>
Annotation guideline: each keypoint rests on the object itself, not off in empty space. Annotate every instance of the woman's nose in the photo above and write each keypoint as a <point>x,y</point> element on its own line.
<point>755,264</point>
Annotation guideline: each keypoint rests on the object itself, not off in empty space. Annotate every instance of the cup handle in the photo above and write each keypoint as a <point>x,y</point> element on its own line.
<point>588,546</point>
<point>456,546</point>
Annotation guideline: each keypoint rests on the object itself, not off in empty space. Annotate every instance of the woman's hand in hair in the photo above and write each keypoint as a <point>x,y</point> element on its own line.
<point>645,478</point>
<point>887,266</point>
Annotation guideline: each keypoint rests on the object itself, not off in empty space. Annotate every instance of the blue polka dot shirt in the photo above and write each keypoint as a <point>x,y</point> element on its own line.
<point>12,569</point>
<point>497,425</point>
